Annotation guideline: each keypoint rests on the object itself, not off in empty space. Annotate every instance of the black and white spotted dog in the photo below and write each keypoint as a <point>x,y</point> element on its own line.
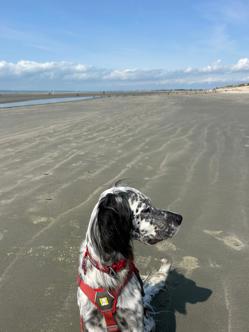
<point>106,261</point>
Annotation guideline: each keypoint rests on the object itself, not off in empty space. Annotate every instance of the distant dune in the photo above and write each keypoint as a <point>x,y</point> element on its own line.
<point>234,89</point>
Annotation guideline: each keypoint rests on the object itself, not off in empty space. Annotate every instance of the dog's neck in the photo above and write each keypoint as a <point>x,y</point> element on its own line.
<point>93,276</point>
<point>112,264</point>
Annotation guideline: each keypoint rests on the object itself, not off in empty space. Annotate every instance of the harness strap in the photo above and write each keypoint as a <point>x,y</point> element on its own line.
<point>111,323</point>
<point>81,324</point>
<point>109,269</point>
<point>106,301</point>
<point>140,281</point>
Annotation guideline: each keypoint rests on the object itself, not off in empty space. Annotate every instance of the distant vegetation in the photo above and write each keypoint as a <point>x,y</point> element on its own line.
<point>235,85</point>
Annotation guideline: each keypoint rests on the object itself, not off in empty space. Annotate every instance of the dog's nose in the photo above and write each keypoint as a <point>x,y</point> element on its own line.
<point>179,219</point>
<point>174,217</point>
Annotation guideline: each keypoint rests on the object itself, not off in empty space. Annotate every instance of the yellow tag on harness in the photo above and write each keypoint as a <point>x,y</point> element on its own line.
<point>103,301</point>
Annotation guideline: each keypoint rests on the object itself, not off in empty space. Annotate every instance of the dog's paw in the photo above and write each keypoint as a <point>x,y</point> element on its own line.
<point>156,281</point>
<point>160,275</point>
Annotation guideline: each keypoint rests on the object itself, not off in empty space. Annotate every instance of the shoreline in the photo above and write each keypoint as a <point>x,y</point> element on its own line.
<point>7,97</point>
<point>47,101</point>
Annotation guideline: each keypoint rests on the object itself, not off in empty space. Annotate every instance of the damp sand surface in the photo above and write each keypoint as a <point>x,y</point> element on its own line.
<point>189,153</point>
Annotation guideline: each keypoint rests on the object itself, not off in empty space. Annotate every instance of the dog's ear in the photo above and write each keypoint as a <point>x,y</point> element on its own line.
<point>114,223</point>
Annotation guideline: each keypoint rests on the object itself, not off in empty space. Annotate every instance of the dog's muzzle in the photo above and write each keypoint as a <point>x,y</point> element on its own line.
<point>174,218</point>
<point>167,226</point>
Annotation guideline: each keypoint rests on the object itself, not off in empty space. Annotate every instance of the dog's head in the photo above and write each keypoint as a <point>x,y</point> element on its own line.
<point>123,214</point>
<point>150,224</point>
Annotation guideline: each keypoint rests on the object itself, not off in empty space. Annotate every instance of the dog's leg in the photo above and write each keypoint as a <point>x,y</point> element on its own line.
<point>152,286</point>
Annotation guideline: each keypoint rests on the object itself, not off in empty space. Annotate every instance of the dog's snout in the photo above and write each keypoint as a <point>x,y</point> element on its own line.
<point>179,219</point>
<point>176,218</point>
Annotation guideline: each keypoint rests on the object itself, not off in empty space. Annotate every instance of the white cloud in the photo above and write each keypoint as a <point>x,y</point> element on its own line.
<point>62,74</point>
<point>241,65</point>
<point>53,70</point>
<point>213,68</point>
<point>134,74</point>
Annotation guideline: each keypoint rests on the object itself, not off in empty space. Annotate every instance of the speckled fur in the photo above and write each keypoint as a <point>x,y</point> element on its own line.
<point>149,225</point>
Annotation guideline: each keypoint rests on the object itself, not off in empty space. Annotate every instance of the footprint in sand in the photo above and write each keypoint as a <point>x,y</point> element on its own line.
<point>229,240</point>
<point>49,290</point>
<point>189,264</point>
<point>144,260</point>
<point>213,264</point>
<point>165,246</point>
<point>2,234</point>
<point>41,220</point>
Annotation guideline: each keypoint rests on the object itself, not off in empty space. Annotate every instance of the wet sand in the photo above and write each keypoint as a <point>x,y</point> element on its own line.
<point>188,153</point>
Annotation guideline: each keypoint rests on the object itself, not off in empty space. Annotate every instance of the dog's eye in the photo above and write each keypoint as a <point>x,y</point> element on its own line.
<point>146,210</point>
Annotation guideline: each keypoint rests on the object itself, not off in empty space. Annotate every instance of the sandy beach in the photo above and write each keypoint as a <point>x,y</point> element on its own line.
<point>233,89</point>
<point>188,153</point>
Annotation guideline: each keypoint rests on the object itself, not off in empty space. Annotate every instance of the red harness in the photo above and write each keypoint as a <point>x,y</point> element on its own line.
<point>104,300</point>
<point>109,269</point>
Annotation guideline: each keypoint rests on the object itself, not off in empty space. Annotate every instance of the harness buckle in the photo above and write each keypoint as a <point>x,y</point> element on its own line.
<point>105,301</point>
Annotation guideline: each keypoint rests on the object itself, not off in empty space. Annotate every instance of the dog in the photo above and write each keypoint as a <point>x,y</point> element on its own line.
<point>111,295</point>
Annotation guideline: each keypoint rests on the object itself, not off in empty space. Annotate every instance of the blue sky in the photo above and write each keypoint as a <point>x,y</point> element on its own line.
<point>87,45</point>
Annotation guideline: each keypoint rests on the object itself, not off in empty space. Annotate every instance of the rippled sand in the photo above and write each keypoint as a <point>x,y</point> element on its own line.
<point>188,153</point>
